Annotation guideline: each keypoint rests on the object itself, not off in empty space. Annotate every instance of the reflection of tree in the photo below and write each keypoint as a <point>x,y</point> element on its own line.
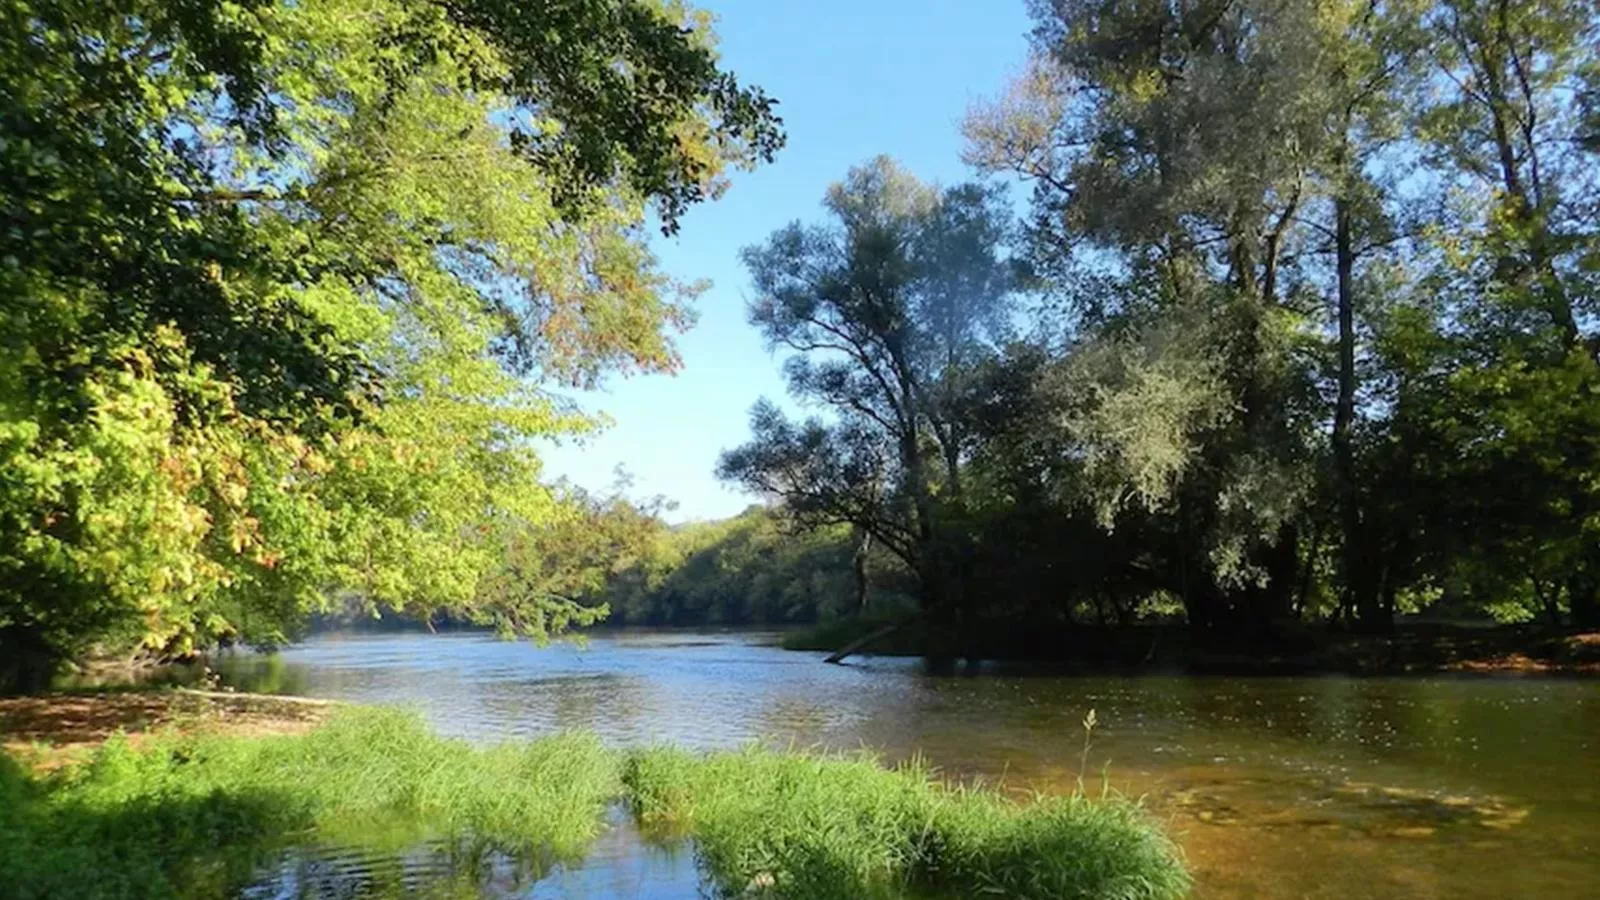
<point>262,673</point>
<point>436,870</point>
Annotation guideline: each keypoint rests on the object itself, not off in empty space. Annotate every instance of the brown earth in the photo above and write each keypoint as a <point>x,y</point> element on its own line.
<point>49,730</point>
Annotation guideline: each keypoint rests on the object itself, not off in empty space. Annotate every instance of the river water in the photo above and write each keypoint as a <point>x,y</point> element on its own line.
<point>1303,788</point>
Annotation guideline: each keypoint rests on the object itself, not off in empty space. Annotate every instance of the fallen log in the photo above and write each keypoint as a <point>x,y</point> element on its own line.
<point>871,637</point>
<point>266,698</point>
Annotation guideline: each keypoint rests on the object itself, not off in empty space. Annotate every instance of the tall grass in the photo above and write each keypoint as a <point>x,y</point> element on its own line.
<point>198,816</point>
<point>793,825</point>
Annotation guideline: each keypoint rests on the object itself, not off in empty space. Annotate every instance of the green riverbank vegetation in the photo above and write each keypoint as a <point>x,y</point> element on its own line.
<point>803,826</point>
<point>1298,327</point>
<point>199,816</point>
<point>1292,321</point>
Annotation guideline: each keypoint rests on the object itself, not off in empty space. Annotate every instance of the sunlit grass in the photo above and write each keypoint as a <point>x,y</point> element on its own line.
<point>195,816</point>
<point>199,815</point>
<point>796,825</point>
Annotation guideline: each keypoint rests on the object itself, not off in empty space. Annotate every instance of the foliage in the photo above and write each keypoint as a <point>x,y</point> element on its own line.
<point>748,570</point>
<point>556,568</point>
<point>281,283</point>
<point>1315,336</point>
<point>889,312</point>
<point>793,825</point>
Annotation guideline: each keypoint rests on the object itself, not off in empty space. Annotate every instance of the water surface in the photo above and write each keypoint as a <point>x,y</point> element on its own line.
<point>1304,788</point>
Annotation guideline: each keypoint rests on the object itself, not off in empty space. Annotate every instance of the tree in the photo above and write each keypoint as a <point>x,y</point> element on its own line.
<point>275,327</point>
<point>1314,255</point>
<point>1495,363</point>
<point>1173,151</point>
<point>553,569</point>
<point>755,568</point>
<point>888,311</point>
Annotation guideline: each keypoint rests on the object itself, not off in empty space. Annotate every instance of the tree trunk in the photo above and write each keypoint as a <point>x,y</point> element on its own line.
<point>1282,564</point>
<point>859,567</point>
<point>1526,208</point>
<point>1583,602</point>
<point>861,643</point>
<point>1361,594</point>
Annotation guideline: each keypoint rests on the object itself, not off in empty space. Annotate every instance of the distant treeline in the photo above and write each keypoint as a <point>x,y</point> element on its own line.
<point>752,569</point>
<point>757,568</point>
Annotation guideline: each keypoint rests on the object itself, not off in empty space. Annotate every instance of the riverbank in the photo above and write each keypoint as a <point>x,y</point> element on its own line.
<point>1410,649</point>
<point>195,805</point>
<point>45,731</point>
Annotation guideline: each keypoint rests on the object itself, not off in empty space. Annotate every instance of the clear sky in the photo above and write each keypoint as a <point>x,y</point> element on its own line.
<point>853,78</point>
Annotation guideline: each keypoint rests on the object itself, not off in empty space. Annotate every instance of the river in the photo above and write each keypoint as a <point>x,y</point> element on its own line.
<point>1303,788</point>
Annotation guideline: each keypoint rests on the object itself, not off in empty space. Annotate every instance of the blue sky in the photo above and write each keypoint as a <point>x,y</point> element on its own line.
<point>853,79</point>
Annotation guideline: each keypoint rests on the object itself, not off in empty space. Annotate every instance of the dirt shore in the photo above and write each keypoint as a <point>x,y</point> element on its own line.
<point>48,730</point>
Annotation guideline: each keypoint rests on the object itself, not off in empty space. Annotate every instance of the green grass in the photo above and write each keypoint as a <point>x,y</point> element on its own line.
<point>198,816</point>
<point>794,825</point>
<point>195,817</point>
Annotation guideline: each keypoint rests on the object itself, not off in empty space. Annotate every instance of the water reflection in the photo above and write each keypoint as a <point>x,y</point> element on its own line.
<point>1282,787</point>
<point>621,863</point>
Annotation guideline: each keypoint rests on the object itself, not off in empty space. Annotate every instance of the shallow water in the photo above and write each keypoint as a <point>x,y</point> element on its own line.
<point>1329,787</point>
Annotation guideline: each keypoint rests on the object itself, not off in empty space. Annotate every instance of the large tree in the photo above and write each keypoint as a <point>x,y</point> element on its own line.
<point>888,310</point>
<point>1173,153</point>
<point>1494,353</point>
<point>1329,268</point>
<point>280,284</point>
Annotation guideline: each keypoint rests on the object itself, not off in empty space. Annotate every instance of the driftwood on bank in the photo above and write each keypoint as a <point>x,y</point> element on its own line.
<point>263,698</point>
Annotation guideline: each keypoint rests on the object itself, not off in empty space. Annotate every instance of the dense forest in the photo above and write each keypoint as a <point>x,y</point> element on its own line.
<point>753,569</point>
<point>1300,324</point>
<point>1257,311</point>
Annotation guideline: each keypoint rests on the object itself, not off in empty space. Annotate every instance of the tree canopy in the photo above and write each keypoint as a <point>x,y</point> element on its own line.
<point>1298,324</point>
<point>891,312</point>
<point>283,285</point>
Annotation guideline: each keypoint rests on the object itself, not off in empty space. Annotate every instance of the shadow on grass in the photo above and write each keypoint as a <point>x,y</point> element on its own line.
<point>371,805</point>
<point>143,846</point>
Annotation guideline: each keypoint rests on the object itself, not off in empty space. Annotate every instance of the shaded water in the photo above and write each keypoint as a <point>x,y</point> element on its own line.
<point>1327,787</point>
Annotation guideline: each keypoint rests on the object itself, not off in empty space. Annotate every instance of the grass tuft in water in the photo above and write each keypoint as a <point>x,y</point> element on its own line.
<point>196,816</point>
<point>796,825</point>
<point>199,816</point>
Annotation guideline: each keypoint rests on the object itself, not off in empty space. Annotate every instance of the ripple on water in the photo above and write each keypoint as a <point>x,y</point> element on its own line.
<point>620,863</point>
